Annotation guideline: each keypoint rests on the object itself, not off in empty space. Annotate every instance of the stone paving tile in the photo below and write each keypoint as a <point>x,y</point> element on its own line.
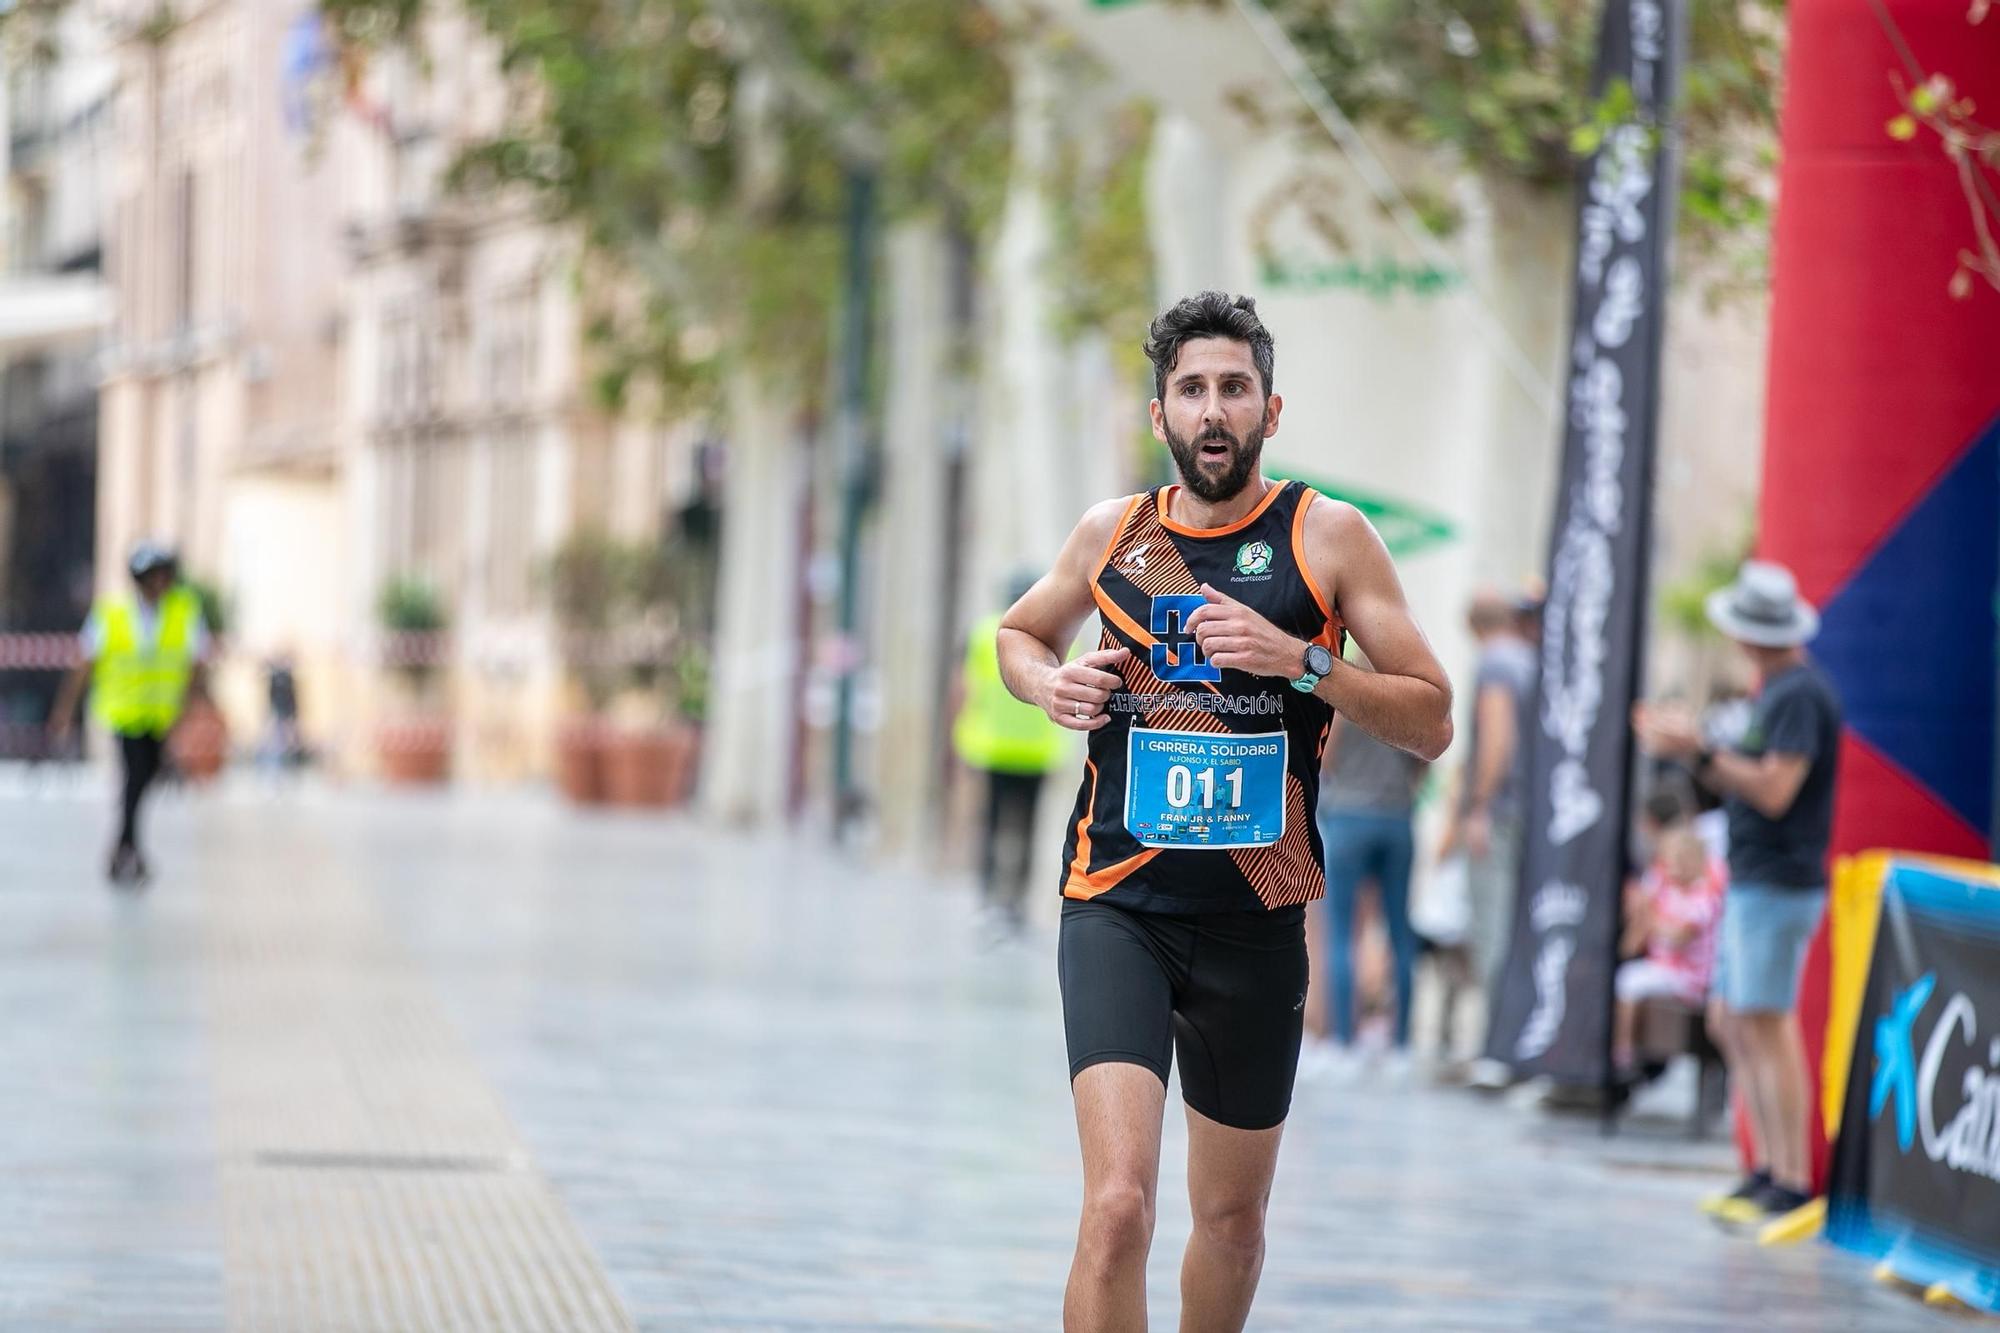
<point>774,1090</point>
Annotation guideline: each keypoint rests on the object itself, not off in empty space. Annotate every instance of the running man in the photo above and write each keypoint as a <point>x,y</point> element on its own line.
<point>1192,851</point>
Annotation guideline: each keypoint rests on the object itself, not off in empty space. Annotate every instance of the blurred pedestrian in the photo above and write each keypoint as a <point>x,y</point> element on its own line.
<point>1012,746</point>
<point>143,658</point>
<point>1192,854</point>
<point>1368,794</point>
<point>283,746</point>
<point>1486,823</point>
<point>1670,919</point>
<point>1777,785</point>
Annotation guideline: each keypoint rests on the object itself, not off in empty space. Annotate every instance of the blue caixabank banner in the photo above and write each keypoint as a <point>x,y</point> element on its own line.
<point>1915,1178</point>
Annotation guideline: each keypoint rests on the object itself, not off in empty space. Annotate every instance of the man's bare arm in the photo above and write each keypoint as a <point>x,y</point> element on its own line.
<point>1497,724</point>
<point>1038,628</point>
<point>1769,783</point>
<point>62,717</point>
<point>1406,700</point>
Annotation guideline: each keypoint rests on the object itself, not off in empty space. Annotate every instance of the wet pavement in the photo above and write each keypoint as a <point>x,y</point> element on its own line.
<point>480,1062</point>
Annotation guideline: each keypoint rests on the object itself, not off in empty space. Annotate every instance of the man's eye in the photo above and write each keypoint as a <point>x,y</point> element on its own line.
<point>1190,390</point>
<point>1233,388</point>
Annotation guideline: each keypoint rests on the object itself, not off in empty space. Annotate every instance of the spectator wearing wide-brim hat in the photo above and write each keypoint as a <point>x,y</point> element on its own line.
<point>1777,786</point>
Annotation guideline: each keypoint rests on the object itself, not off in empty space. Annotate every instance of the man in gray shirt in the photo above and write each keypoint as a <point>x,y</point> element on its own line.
<point>1366,798</point>
<point>1486,822</point>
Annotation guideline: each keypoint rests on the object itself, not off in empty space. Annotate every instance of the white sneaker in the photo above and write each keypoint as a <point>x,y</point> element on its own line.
<point>1489,1075</point>
<point>1397,1068</point>
<point>1324,1061</point>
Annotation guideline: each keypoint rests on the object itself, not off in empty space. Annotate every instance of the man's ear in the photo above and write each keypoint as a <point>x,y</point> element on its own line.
<point>1272,406</point>
<point>1159,415</point>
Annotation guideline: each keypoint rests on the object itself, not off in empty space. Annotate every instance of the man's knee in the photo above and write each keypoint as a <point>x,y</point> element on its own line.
<point>1764,1031</point>
<point>1233,1229</point>
<point>1117,1223</point>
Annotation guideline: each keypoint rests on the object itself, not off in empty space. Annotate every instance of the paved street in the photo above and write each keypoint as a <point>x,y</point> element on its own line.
<point>482,1063</point>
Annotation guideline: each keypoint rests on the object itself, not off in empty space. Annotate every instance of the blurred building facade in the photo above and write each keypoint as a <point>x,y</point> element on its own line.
<point>55,129</point>
<point>476,445</point>
<point>328,371</point>
<point>219,427</point>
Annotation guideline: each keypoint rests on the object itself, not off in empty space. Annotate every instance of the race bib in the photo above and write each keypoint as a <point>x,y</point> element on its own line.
<point>1193,789</point>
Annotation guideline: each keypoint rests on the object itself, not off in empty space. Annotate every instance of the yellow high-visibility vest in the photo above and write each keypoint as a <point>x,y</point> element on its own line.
<point>136,687</point>
<point>995,731</point>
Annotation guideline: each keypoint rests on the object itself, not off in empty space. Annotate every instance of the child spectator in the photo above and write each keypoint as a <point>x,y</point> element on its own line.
<point>1670,918</point>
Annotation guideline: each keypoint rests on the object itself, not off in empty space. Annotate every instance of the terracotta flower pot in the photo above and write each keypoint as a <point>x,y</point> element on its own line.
<point>199,743</point>
<point>580,746</point>
<point>414,750</point>
<point>640,766</point>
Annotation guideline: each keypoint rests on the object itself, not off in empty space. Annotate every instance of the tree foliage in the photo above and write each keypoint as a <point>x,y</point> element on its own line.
<point>1504,85</point>
<point>702,150</point>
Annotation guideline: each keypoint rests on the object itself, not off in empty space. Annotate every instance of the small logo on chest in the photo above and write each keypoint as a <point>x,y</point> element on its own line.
<point>1253,562</point>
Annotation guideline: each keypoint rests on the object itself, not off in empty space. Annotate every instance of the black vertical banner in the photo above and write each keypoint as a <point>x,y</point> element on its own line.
<point>1552,1006</point>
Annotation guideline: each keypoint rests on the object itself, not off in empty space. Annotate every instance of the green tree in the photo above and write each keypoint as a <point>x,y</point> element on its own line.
<point>1504,86</point>
<point>700,147</point>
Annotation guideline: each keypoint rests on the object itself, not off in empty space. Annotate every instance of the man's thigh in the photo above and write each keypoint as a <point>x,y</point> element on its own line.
<point>1117,994</point>
<point>1118,1113</point>
<point>1239,1016</point>
<point>1229,1170</point>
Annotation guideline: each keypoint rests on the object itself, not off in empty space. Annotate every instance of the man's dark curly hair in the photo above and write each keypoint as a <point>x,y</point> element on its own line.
<point>1208,315</point>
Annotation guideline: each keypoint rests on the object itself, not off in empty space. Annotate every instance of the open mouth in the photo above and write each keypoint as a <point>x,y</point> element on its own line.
<point>1215,449</point>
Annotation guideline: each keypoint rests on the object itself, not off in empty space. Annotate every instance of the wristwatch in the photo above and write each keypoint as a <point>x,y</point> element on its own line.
<point>1319,665</point>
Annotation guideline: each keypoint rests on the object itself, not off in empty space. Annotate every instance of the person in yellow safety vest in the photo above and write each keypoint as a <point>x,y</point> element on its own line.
<point>142,658</point>
<point>1015,746</point>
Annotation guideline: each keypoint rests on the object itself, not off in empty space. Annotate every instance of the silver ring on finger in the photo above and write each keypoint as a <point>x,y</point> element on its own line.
<point>1080,711</point>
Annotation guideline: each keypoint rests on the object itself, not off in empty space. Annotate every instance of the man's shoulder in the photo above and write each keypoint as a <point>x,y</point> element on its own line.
<point>1808,682</point>
<point>1328,519</point>
<point>1101,520</point>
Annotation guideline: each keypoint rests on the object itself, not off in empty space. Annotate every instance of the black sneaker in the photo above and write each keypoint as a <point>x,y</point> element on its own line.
<point>1740,1204</point>
<point>1776,1200</point>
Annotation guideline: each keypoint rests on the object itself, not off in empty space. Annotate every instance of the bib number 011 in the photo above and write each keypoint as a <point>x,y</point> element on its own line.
<point>1181,782</point>
<point>1201,789</point>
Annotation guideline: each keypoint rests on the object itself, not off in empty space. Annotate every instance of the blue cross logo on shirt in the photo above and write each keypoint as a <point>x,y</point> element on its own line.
<point>1176,655</point>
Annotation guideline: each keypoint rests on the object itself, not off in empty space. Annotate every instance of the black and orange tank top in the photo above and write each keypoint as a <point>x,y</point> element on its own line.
<point>1199,794</point>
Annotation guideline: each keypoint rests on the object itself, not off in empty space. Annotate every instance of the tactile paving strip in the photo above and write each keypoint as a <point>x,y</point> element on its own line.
<point>371,1179</point>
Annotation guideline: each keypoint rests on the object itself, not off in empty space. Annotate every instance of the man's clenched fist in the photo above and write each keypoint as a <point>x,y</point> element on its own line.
<point>1077,691</point>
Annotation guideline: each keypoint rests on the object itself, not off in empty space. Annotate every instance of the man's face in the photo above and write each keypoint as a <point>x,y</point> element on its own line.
<point>1215,417</point>
<point>156,582</point>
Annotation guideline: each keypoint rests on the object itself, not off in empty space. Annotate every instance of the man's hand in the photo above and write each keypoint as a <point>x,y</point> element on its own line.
<point>1074,694</point>
<point>1233,636</point>
<point>1667,731</point>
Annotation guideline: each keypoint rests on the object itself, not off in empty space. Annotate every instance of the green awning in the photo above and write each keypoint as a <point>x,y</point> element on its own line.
<point>1406,528</point>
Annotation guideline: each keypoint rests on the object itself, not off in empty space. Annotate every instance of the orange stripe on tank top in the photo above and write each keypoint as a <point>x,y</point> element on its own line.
<point>1082,883</point>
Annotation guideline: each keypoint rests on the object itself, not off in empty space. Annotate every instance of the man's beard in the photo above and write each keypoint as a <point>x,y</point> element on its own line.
<point>1206,483</point>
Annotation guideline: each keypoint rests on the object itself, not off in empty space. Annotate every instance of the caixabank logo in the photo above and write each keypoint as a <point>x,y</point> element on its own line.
<point>1955,1120</point>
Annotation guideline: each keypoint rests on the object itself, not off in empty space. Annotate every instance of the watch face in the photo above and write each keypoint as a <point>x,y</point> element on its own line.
<point>1319,660</point>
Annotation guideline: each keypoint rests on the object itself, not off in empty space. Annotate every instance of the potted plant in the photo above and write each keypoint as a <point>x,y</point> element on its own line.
<point>586,579</point>
<point>691,682</point>
<point>199,742</point>
<point>414,744</point>
<point>641,754</point>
